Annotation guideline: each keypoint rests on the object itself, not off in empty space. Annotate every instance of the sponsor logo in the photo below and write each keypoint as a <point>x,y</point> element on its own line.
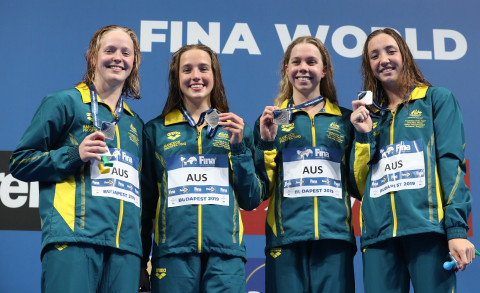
<point>287,127</point>
<point>160,273</point>
<point>275,252</point>
<point>173,135</point>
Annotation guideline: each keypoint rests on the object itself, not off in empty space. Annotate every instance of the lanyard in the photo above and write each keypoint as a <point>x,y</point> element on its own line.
<point>211,116</point>
<point>382,110</point>
<point>108,128</point>
<point>283,116</point>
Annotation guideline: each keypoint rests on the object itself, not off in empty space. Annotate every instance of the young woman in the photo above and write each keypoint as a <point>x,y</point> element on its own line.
<point>198,175</point>
<point>90,219</point>
<point>309,234</point>
<point>411,167</point>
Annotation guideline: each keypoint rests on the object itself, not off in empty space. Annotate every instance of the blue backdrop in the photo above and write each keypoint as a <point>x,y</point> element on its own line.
<point>43,42</point>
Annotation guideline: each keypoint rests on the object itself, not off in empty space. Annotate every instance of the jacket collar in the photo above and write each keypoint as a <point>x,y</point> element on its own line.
<point>85,92</point>
<point>329,108</point>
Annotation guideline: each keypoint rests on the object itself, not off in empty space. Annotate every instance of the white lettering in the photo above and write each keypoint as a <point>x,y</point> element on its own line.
<point>196,34</point>
<point>441,52</point>
<point>339,36</point>
<point>411,40</point>
<point>147,37</point>
<point>241,31</point>
<point>10,186</point>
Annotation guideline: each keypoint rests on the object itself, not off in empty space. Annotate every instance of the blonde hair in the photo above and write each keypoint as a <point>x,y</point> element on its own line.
<point>327,86</point>
<point>131,87</point>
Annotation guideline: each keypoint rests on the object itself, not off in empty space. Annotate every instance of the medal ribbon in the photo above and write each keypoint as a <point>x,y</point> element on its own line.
<point>211,131</point>
<point>94,107</point>
<point>290,109</point>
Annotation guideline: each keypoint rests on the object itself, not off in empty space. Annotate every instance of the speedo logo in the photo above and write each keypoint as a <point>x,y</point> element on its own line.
<point>160,273</point>
<point>173,135</point>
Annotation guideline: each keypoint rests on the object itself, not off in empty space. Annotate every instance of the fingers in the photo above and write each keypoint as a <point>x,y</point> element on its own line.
<point>463,251</point>
<point>361,114</point>
<point>357,103</point>
<point>234,125</point>
<point>92,146</point>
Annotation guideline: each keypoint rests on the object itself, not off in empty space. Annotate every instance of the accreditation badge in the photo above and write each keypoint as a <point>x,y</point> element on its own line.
<point>121,182</point>
<point>198,179</point>
<point>312,171</point>
<point>398,167</point>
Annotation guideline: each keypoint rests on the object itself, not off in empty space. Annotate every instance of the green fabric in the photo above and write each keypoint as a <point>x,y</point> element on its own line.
<point>177,228</point>
<point>390,265</point>
<point>436,120</point>
<point>291,220</point>
<point>48,152</point>
<point>310,266</point>
<point>208,273</point>
<point>85,268</point>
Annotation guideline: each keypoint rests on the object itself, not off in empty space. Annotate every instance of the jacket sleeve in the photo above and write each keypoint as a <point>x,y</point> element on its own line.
<point>362,151</point>
<point>150,188</point>
<point>451,165</point>
<point>247,184</point>
<point>265,163</point>
<point>40,156</point>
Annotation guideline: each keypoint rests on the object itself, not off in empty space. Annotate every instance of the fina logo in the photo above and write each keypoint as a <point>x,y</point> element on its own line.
<point>190,161</point>
<point>305,154</point>
<point>387,152</point>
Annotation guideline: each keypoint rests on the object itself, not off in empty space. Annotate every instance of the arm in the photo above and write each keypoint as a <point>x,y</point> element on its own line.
<point>246,183</point>
<point>150,197</point>
<point>40,156</point>
<point>451,168</point>
<point>362,149</point>
<point>265,151</point>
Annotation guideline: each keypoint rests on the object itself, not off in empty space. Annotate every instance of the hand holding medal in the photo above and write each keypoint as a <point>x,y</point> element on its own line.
<point>233,124</point>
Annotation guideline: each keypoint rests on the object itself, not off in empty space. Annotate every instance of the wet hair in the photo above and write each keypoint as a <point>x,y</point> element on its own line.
<point>218,98</point>
<point>410,74</point>
<point>327,86</point>
<point>131,87</point>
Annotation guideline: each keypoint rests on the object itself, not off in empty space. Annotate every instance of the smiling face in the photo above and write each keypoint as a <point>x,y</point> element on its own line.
<point>196,77</point>
<point>385,60</point>
<point>115,58</point>
<point>305,70</point>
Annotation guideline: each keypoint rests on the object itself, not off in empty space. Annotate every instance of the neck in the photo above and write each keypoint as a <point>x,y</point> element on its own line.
<point>196,109</point>
<point>394,96</point>
<point>300,99</point>
<point>109,94</point>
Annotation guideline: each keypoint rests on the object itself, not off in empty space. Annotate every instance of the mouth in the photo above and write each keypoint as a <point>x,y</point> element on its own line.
<point>303,78</point>
<point>387,70</point>
<point>196,86</point>
<point>115,67</point>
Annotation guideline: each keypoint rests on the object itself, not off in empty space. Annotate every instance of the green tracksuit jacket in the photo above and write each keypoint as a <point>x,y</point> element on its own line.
<point>411,168</point>
<point>194,228</point>
<point>48,152</point>
<point>320,216</point>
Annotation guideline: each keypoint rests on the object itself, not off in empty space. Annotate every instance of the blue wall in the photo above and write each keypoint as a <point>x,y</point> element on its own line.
<point>42,45</point>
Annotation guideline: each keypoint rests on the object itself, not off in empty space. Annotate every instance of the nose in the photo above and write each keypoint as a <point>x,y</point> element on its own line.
<point>117,56</point>
<point>196,74</point>
<point>384,59</point>
<point>303,67</point>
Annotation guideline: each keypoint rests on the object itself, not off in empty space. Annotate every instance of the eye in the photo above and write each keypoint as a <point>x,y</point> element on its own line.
<point>373,56</point>
<point>126,53</point>
<point>204,68</point>
<point>312,62</point>
<point>392,51</point>
<point>186,70</point>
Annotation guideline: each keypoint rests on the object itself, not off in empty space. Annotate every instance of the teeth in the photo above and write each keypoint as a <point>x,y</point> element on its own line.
<point>303,78</point>
<point>387,70</point>
<point>196,86</point>
<point>115,67</point>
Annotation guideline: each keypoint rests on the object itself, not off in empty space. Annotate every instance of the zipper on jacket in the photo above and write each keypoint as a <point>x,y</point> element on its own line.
<point>392,197</point>
<point>315,198</point>
<point>120,216</point>
<point>199,140</point>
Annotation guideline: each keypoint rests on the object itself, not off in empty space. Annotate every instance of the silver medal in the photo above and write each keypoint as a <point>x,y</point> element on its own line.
<point>366,96</point>
<point>212,118</point>
<point>108,129</point>
<point>283,118</point>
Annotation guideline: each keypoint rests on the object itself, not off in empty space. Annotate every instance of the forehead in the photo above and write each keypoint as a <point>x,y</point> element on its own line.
<point>305,50</point>
<point>381,41</point>
<point>195,56</point>
<point>117,37</point>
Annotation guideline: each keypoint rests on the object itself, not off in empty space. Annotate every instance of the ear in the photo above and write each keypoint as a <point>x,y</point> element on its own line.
<point>324,72</point>
<point>286,68</point>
